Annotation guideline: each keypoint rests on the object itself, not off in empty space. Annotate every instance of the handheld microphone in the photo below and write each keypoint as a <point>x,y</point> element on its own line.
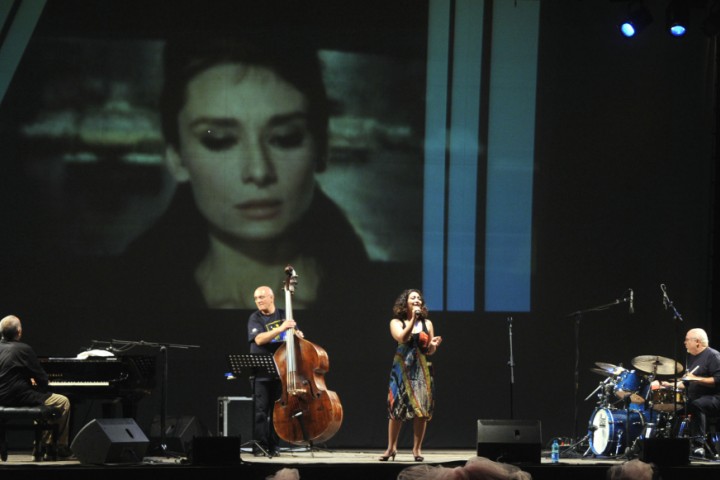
<point>631,308</point>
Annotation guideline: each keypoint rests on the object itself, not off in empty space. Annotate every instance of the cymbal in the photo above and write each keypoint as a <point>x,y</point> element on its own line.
<point>601,372</point>
<point>657,365</point>
<point>610,368</point>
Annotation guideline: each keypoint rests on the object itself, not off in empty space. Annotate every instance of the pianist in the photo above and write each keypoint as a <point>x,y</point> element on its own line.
<point>23,382</point>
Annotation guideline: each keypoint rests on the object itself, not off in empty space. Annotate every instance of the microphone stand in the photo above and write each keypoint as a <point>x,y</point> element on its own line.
<point>511,364</point>
<point>163,347</point>
<point>578,316</point>
<point>677,319</point>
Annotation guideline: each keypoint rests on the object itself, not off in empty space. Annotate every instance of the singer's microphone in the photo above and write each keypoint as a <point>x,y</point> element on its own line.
<point>632,307</point>
<point>418,312</point>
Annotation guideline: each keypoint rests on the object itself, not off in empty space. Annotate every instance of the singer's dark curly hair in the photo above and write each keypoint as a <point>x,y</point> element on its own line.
<point>400,309</point>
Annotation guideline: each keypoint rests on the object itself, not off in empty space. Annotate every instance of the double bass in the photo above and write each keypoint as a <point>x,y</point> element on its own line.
<point>306,412</point>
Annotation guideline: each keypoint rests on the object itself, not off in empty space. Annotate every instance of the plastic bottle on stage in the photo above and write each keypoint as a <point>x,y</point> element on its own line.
<point>555,452</point>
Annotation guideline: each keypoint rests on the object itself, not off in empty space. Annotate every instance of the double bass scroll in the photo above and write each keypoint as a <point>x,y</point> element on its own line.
<point>307,412</point>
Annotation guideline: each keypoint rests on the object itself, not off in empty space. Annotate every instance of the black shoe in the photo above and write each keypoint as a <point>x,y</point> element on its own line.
<point>64,452</point>
<point>49,454</point>
<point>274,452</point>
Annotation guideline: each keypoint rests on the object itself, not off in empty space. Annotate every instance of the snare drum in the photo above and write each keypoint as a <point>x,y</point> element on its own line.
<point>611,433</point>
<point>629,382</point>
<point>667,399</point>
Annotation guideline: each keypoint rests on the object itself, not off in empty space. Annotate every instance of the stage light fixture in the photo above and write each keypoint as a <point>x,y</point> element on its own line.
<point>677,16</point>
<point>636,21</point>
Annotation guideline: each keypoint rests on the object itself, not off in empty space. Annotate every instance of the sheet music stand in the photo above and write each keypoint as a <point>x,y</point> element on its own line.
<point>252,364</point>
<point>249,366</point>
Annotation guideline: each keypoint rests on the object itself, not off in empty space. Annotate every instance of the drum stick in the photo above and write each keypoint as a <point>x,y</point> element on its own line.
<point>691,371</point>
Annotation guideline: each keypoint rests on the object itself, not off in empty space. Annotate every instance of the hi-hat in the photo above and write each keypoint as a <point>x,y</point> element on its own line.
<point>657,365</point>
<point>609,368</point>
<point>601,372</point>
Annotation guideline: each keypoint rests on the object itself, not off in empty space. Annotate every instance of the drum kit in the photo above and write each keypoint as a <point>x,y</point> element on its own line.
<point>631,406</point>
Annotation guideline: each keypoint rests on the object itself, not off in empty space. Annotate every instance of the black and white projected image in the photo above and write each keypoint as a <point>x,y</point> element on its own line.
<point>265,167</point>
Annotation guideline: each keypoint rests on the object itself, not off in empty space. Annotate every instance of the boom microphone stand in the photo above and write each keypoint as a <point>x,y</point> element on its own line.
<point>678,318</point>
<point>163,347</point>
<point>578,317</point>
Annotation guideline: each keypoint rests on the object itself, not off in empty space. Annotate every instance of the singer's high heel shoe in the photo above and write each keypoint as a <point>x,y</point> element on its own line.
<point>419,458</point>
<point>385,458</point>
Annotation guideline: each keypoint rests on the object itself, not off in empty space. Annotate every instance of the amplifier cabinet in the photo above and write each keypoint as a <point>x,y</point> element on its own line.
<point>235,417</point>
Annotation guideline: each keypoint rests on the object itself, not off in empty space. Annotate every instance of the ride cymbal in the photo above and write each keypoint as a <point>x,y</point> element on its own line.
<point>657,365</point>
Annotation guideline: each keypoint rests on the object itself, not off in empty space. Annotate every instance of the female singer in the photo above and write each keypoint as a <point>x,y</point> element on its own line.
<point>411,392</point>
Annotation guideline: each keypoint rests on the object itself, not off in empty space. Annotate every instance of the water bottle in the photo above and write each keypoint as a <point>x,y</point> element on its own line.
<point>555,452</point>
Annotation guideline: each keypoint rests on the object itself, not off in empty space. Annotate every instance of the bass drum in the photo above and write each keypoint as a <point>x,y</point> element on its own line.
<point>610,432</point>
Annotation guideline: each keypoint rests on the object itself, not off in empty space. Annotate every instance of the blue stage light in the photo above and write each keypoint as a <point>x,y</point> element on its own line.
<point>677,16</point>
<point>627,29</point>
<point>677,30</point>
<point>636,21</point>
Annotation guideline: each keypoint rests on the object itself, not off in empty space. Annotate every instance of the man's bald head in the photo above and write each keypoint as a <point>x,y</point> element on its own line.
<point>265,300</point>
<point>11,328</point>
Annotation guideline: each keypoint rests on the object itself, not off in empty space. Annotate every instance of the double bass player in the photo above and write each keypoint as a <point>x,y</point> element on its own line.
<point>267,327</point>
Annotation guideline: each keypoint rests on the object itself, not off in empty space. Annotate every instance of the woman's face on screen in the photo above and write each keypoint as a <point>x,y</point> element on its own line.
<point>246,148</point>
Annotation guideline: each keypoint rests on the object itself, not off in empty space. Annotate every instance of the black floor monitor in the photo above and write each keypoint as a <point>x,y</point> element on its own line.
<point>509,441</point>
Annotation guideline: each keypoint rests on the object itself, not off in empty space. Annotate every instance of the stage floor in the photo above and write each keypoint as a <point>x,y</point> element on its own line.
<point>321,464</point>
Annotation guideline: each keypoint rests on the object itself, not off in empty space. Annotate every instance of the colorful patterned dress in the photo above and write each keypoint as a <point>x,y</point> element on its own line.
<point>412,390</point>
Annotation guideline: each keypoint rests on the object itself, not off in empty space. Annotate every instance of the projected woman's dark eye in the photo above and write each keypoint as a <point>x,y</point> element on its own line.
<point>291,140</point>
<point>218,141</point>
<point>287,137</point>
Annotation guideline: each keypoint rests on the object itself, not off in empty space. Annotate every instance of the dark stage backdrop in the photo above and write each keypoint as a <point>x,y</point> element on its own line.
<point>622,194</point>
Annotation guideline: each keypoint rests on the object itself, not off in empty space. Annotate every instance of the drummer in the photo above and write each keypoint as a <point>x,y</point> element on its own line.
<point>701,382</point>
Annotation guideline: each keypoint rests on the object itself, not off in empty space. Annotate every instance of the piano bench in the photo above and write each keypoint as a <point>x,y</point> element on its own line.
<point>36,418</point>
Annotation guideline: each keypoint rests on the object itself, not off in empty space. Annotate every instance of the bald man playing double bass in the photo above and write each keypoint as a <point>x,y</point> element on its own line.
<point>266,333</point>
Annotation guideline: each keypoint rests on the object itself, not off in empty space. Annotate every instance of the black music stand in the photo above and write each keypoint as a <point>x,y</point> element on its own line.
<point>249,366</point>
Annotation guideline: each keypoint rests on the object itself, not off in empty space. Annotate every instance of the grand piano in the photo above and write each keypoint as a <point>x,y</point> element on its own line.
<point>126,379</point>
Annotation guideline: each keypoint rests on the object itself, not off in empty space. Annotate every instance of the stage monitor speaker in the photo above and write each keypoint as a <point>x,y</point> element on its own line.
<point>179,432</point>
<point>509,441</point>
<point>667,452</point>
<point>110,440</point>
<point>215,451</point>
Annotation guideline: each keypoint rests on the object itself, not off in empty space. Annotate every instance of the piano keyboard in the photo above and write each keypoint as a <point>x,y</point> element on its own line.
<point>78,384</point>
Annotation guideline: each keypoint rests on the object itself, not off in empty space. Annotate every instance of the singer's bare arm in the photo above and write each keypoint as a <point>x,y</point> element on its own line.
<point>401,331</point>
